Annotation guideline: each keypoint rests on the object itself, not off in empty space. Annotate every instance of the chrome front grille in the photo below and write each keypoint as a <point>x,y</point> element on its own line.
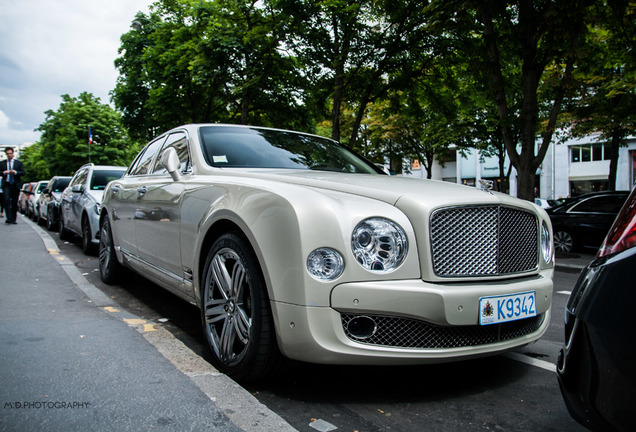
<point>483,241</point>
<point>409,333</point>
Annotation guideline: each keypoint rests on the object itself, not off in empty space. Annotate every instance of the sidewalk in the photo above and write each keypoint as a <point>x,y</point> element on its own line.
<point>72,361</point>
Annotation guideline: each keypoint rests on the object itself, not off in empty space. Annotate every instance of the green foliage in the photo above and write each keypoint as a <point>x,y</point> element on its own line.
<point>63,146</point>
<point>409,77</point>
<point>207,61</point>
<point>509,47</point>
<point>354,52</point>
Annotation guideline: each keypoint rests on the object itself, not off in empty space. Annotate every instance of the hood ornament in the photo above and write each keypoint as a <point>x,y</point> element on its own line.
<point>487,185</point>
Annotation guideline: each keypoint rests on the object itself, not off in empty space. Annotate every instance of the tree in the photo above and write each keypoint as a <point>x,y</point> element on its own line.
<point>355,51</point>
<point>35,165</point>
<point>606,100</point>
<point>64,144</point>
<point>512,45</point>
<point>427,117</point>
<point>212,61</point>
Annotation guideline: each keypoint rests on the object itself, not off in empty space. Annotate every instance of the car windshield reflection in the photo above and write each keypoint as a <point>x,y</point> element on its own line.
<point>242,147</point>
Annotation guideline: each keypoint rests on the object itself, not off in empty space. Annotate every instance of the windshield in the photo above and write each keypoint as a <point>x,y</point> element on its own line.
<point>60,184</point>
<point>101,178</point>
<point>241,147</point>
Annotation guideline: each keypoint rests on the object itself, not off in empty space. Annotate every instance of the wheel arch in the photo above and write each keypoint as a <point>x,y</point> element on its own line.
<point>217,229</point>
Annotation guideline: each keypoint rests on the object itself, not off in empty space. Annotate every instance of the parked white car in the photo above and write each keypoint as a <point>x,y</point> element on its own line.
<point>32,201</point>
<point>80,202</point>
<point>292,245</point>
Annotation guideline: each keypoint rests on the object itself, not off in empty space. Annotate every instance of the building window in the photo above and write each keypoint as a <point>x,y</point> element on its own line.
<point>589,153</point>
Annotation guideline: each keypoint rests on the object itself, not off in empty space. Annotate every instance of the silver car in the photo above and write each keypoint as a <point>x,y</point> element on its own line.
<point>293,246</point>
<point>80,201</point>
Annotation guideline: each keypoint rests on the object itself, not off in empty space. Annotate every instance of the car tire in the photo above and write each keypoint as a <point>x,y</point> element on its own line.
<point>109,268</point>
<point>63,232</point>
<point>49,223</point>
<point>563,241</point>
<point>235,312</point>
<point>87,245</point>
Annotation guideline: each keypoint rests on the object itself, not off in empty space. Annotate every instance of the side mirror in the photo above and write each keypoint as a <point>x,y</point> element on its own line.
<point>171,162</point>
<point>77,188</point>
<point>46,191</point>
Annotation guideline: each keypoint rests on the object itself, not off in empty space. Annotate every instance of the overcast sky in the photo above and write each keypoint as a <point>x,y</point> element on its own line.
<point>50,48</point>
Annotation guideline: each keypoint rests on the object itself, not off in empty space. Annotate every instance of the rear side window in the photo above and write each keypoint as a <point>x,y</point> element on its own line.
<point>142,164</point>
<point>600,204</point>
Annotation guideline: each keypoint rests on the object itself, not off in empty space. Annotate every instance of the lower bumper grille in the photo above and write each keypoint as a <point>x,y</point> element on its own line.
<point>408,333</point>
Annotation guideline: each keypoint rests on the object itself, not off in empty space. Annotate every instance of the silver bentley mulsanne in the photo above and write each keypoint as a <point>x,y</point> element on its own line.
<point>293,246</point>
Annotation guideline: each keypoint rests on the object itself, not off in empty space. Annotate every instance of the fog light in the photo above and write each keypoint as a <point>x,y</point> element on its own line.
<point>325,264</point>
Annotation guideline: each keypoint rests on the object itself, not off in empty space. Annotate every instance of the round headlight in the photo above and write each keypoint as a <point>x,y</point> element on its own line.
<point>546,243</point>
<point>379,245</point>
<point>325,264</point>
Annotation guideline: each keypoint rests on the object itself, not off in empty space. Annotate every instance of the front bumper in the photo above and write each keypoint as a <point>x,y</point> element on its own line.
<point>403,310</point>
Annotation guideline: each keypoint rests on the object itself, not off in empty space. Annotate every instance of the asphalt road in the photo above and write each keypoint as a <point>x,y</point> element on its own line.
<point>513,392</point>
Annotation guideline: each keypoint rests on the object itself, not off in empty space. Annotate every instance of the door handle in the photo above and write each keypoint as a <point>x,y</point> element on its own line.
<point>142,190</point>
<point>115,189</point>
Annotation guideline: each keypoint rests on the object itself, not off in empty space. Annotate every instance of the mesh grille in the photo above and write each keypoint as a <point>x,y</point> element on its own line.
<point>408,333</point>
<point>483,241</point>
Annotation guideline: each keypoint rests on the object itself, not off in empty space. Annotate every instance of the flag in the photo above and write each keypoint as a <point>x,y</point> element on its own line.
<point>90,136</point>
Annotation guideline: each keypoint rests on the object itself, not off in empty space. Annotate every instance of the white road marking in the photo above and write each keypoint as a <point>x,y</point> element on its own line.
<point>531,361</point>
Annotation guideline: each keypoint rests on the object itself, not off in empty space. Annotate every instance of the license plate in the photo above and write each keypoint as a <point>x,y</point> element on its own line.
<point>498,309</point>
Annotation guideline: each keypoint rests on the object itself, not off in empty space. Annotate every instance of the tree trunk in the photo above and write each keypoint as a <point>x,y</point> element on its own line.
<point>337,102</point>
<point>614,146</point>
<point>525,181</point>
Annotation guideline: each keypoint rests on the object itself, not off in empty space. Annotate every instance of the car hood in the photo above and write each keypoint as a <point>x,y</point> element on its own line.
<point>394,190</point>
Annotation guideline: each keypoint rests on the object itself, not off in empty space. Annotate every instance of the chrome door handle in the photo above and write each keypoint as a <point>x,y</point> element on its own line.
<point>142,190</point>
<point>115,189</point>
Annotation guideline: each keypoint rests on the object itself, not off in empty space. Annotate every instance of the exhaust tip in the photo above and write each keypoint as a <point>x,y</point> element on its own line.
<point>362,327</point>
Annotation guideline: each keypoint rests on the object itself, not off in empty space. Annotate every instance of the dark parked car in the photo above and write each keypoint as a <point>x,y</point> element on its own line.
<point>48,205</point>
<point>597,365</point>
<point>585,220</point>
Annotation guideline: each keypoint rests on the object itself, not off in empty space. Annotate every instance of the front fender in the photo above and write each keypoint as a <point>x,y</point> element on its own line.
<point>283,227</point>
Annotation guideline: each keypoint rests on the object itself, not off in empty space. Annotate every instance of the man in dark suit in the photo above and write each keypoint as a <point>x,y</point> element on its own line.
<point>12,171</point>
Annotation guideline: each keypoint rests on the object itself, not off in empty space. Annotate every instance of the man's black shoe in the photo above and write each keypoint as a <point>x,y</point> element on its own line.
<point>14,222</point>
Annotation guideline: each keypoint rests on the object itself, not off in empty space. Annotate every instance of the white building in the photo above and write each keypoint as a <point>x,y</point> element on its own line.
<point>571,168</point>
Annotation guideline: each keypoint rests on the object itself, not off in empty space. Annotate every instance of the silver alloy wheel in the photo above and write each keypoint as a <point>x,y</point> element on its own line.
<point>86,237</point>
<point>105,247</point>
<point>227,307</point>
<point>563,241</point>
<point>110,270</point>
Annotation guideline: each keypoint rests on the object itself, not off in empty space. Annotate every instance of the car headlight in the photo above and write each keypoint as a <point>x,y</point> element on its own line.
<point>546,243</point>
<point>325,264</point>
<point>379,245</point>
